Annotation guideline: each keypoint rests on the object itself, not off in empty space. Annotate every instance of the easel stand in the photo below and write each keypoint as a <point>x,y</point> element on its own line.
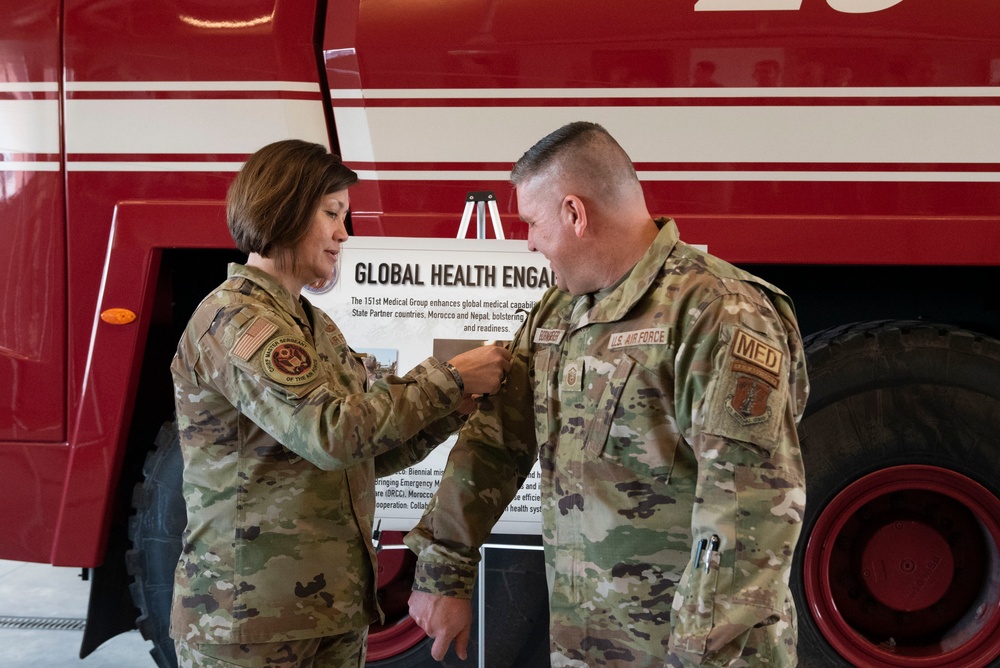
<point>480,200</point>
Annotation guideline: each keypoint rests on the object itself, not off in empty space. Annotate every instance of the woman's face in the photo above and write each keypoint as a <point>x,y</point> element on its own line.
<point>316,254</point>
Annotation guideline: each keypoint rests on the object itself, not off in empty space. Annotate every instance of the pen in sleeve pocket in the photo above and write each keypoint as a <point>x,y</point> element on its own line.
<point>713,546</point>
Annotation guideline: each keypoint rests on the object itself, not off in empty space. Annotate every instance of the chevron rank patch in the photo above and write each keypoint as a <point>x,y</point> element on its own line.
<point>572,379</point>
<point>288,360</point>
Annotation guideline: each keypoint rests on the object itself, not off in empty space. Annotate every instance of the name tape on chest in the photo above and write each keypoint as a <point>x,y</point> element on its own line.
<point>550,336</point>
<point>337,339</point>
<point>750,349</point>
<point>656,336</point>
<point>253,338</point>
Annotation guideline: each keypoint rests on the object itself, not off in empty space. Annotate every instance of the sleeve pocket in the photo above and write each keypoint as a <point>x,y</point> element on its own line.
<point>693,612</point>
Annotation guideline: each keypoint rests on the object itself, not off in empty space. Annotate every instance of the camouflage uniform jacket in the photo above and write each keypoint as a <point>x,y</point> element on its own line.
<point>281,445</point>
<point>664,419</point>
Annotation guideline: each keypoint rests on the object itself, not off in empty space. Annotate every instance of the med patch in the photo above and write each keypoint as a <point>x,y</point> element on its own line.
<point>749,398</point>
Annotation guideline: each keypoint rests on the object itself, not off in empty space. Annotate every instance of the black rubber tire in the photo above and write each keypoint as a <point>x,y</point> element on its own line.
<point>517,608</point>
<point>887,394</point>
<point>155,531</point>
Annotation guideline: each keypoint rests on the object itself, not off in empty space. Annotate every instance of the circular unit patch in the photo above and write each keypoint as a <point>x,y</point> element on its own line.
<point>289,361</point>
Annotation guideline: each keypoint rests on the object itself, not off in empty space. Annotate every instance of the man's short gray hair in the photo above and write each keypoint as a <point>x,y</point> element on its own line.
<point>584,147</point>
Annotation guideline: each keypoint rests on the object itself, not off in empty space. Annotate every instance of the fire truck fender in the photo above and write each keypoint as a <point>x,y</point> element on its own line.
<point>898,561</point>
<point>140,233</point>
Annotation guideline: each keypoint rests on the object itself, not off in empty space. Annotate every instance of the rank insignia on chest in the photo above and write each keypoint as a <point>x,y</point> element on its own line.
<point>572,377</point>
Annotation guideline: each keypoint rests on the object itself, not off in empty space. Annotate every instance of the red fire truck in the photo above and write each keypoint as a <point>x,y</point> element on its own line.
<point>847,150</point>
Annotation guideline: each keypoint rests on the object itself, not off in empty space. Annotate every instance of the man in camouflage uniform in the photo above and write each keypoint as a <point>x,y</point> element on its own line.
<point>282,437</point>
<point>660,388</point>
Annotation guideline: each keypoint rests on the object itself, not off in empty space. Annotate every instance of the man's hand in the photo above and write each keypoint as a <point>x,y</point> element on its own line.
<point>444,618</point>
<point>470,402</point>
<point>482,369</point>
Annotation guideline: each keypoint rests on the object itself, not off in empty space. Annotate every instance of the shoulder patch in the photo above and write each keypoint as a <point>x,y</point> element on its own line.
<point>253,338</point>
<point>748,400</point>
<point>289,361</point>
<point>749,348</point>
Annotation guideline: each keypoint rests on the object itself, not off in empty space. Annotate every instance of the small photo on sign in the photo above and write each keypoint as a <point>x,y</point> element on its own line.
<point>380,362</point>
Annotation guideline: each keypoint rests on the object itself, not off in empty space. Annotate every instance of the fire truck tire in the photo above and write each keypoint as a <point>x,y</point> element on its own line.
<point>155,531</point>
<point>898,563</point>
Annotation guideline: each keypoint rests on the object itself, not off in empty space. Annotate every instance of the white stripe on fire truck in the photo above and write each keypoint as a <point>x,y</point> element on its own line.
<point>924,134</point>
<point>849,134</point>
<point>140,86</point>
<point>699,176</point>
<point>29,126</point>
<point>148,126</point>
<point>29,87</point>
<point>128,166</point>
<point>29,166</point>
<point>943,92</point>
<point>195,126</point>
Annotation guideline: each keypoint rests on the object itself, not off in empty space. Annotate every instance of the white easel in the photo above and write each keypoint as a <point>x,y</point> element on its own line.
<point>481,199</point>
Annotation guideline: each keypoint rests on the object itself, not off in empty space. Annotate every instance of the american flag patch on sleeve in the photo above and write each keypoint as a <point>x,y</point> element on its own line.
<point>253,338</point>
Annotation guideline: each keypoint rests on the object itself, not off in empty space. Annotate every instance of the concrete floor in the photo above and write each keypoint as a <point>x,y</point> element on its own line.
<point>40,590</point>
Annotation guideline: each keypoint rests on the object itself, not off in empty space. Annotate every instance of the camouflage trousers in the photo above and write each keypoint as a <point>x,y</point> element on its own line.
<point>341,651</point>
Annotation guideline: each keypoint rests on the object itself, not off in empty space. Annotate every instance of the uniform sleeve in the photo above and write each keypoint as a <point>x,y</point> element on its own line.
<point>418,447</point>
<point>273,378</point>
<point>739,375</point>
<point>494,454</point>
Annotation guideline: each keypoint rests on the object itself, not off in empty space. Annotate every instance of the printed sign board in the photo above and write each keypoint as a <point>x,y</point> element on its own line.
<point>402,300</point>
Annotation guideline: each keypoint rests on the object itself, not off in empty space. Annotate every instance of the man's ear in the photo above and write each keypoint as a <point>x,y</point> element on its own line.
<point>575,213</point>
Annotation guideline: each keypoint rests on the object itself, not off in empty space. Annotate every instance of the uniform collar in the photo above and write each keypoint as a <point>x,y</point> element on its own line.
<point>624,296</point>
<point>274,293</point>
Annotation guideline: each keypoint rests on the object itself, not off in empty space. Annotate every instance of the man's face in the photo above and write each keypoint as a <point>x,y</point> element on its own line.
<point>550,232</point>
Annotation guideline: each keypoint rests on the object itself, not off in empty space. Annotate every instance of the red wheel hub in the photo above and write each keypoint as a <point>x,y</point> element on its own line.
<point>902,569</point>
<point>907,565</point>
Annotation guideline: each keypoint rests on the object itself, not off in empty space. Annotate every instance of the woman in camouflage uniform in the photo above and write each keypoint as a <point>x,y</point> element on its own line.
<point>283,436</point>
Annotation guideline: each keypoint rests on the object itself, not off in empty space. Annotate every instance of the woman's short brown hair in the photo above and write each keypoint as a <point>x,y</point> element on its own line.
<point>271,203</point>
